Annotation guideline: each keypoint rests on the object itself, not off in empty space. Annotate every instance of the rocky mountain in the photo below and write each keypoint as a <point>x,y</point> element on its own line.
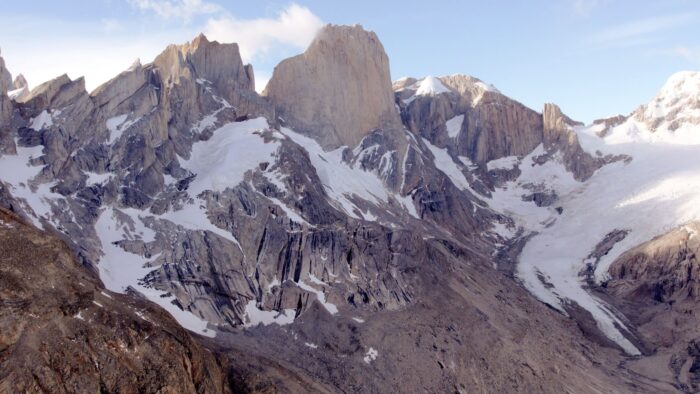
<point>340,233</point>
<point>338,90</point>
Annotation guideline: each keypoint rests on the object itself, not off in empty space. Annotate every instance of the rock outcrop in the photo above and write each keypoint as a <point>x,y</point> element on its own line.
<point>21,88</point>
<point>61,332</point>
<point>492,126</point>
<point>6,142</point>
<point>5,77</point>
<point>339,90</point>
<point>663,269</point>
<point>20,82</point>
<point>657,285</point>
<point>559,137</point>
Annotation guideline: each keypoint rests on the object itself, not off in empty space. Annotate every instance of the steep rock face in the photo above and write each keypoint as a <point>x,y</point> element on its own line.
<point>493,125</point>
<point>338,90</point>
<point>218,64</point>
<point>20,82</point>
<point>5,78</point>
<point>21,88</point>
<point>662,269</point>
<point>6,143</point>
<point>559,137</point>
<point>61,332</point>
<point>657,285</point>
<point>474,120</point>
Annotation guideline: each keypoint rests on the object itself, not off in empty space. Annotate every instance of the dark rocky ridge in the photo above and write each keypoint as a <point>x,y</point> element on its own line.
<point>61,332</point>
<point>656,284</point>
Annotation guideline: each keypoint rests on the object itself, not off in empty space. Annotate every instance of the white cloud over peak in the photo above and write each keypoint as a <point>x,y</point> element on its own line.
<point>99,49</point>
<point>295,26</point>
<point>183,10</point>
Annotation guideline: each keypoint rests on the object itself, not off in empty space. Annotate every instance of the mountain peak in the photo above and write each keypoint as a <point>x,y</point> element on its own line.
<point>675,105</point>
<point>431,86</point>
<point>338,90</point>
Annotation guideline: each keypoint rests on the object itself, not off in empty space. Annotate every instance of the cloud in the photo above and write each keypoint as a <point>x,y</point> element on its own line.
<point>100,49</point>
<point>295,26</point>
<point>585,7</point>
<point>689,54</point>
<point>639,32</point>
<point>111,25</point>
<point>183,10</point>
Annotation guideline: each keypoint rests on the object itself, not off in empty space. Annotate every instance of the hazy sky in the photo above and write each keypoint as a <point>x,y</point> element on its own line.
<point>595,58</point>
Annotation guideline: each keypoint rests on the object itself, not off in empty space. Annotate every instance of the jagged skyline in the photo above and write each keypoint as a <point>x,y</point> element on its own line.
<point>593,57</point>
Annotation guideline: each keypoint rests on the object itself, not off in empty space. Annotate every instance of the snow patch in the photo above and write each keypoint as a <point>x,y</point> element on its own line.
<point>120,270</point>
<point>454,126</point>
<point>98,179</point>
<point>43,120</point>
<point>504,163</point>
<point>258,316</point>
<point>320,295</point>
<point>117,125</point>
<point>371,355</point>
<point>36,199</point>
<point>430,86</point>
<point>343,181</point>
<point>222,161</point>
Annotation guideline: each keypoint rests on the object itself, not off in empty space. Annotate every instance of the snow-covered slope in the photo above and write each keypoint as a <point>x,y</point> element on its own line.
<point>648,195</point>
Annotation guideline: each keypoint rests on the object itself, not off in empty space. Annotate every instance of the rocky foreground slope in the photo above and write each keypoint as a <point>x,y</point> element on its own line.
<point>336,234</point>
<point>62,332</point>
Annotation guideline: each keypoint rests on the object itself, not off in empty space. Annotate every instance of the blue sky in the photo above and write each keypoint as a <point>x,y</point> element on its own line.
<point>595,58</point>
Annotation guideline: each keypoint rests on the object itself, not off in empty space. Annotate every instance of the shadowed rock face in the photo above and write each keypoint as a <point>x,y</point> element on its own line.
<point>5,78</point>
<point>338,90</point>
<point>5,107</point>
<point>493,125</point>
<point>657,285</point>
<point>61,332</point>
<point>663,269</point>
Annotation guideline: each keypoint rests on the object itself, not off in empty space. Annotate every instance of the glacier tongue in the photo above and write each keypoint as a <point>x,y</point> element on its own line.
<point>657,190</point>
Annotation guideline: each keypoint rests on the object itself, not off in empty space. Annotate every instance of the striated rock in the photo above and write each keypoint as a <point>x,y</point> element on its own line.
<point>61,332</point>
<point>20,82</point>
<point>56,93</point>
<point>338,90</point>
<point>657,286</point>
<point>493,126</point>
<point>21,89</point>
<point>559,136</point>
<point>219,64</point>
<point>112,93</point>
<point>664,268</point>
<point>5,78</point>
<point>6,140</point>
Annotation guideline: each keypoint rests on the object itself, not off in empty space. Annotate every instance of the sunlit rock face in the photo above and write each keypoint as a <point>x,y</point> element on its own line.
<point>339,90</point>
